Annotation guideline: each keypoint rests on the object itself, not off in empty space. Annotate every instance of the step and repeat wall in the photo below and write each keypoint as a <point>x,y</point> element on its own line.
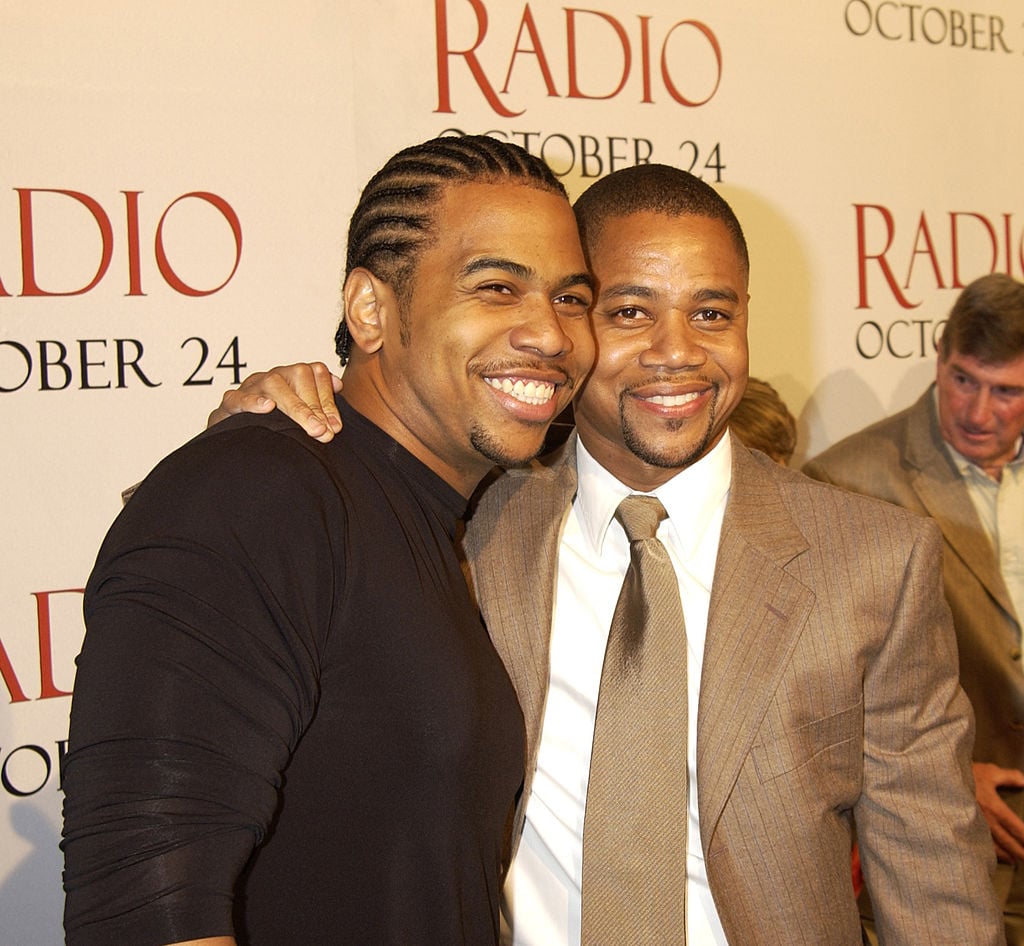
<point>176,181</point>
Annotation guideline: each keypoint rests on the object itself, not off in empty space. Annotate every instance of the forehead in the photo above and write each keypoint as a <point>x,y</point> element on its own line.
<point>504,218</point>
<point>1008,373</point>
<point>665,248</point>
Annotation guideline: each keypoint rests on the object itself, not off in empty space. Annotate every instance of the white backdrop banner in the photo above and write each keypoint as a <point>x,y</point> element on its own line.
<point>176,181</point>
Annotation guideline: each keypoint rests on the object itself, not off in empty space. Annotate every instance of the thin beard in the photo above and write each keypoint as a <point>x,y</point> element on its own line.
<point>641,451</point>
<point>488,445</point>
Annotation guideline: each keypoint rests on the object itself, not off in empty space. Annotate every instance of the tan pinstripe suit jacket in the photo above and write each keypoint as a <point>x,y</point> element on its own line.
<point>829,689</point>
<point>901,459</point>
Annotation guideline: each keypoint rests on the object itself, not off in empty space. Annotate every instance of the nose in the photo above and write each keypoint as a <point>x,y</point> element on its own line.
<point>540,331</point>
<point>674,343</point>
<point>979,407</point>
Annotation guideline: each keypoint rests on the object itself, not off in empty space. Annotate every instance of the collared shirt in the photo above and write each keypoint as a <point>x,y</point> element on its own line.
<point>1000,508</point>
<point>543,888</point>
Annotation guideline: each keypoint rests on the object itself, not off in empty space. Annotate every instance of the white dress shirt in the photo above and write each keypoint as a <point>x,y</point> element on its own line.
<point>543,889</point>
<point>1000,507</point>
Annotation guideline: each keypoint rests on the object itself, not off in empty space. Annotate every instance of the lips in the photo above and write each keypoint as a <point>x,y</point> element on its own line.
<point>972,433</point>
<point>668,396</point>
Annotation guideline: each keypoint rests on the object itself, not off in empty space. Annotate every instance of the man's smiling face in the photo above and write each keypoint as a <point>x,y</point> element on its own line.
<point>670,322</point>
<point>494,335</point>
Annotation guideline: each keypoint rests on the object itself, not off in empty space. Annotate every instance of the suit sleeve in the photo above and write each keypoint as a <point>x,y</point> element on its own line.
<point>199,672</point>
<point>925,849</point>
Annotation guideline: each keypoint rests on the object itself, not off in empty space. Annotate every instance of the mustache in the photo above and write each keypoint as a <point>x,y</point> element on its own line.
<point>555,373</point>
<point>668,377</point>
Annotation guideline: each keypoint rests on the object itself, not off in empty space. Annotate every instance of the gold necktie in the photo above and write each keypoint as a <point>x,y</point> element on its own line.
<point>634,834</point>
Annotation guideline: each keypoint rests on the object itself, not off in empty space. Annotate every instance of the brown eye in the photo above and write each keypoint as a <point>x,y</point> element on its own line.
<point>568,300</point>
<point>710,315</point>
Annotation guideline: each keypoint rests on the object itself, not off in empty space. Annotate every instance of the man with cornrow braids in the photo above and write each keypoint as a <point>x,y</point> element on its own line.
<point>289,724</point>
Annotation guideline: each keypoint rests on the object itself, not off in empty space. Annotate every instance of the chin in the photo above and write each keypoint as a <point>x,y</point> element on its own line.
<point>504,454</point>
<point>659,451</point>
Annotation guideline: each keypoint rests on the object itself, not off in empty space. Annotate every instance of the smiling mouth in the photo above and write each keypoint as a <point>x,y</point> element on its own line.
<point>672,400</point>
<point>529,392</point>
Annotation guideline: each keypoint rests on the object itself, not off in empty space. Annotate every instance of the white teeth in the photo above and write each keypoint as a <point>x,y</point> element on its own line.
<point>673,400</point>
<point>529,392</point>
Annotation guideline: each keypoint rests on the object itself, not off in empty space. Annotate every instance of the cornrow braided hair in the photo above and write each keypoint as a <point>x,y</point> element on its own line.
<point>394,218</point>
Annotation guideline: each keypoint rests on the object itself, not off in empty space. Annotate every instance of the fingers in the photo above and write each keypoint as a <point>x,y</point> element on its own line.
<point>303,392</point>
<point>1010,778</point>
<point>1006,827</point>
<point>1002,855</point>
<point>327,385</point>
<point>237,401</point>
<point>1008,849</point>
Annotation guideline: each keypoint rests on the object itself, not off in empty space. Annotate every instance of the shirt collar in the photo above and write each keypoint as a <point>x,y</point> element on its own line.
<point>691,498</point>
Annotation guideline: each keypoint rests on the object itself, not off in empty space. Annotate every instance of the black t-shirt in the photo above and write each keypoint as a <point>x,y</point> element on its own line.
<point>288,721</point>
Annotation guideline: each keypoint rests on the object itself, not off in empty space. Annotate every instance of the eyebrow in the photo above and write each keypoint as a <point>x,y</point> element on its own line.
<point>958,368</point>
<point>646,292</point>
<point>577,279</point>
<point>954,365</point>
<point>525,273</point>
<point>497,262</point>
<point>627,289</point>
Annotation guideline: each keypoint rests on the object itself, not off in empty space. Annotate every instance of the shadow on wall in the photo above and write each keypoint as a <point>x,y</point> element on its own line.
<point>844,403</point>
<point>781,317</point>
<point>27,892</point>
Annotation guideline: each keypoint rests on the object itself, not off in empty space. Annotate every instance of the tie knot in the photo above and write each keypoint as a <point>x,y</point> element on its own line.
<point>640,516</point>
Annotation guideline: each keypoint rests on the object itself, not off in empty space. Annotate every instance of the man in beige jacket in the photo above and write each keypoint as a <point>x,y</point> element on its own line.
<point>956,455</point>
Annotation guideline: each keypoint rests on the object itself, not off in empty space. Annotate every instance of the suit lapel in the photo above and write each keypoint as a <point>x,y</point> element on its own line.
<point>516,590</point>
<point>944,496</point>
<point>757,612</point>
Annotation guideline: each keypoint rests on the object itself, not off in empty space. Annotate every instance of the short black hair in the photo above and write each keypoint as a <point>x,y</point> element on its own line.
<point>654,188</point>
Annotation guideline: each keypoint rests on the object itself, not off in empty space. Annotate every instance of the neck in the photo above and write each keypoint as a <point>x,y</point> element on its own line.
<point>363,393</point>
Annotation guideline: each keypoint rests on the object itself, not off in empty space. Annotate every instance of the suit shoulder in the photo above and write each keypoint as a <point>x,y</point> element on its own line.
<point>841,529</point>
<point>885,436</point>
<point>881,460</point>
<point>804,491</point>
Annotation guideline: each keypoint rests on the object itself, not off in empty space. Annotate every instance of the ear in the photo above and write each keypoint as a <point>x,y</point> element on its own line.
<point>369,303</point>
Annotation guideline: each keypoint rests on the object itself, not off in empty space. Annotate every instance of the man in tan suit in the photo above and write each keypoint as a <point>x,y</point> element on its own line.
<point>956,455</point>
<point>822,664</point>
